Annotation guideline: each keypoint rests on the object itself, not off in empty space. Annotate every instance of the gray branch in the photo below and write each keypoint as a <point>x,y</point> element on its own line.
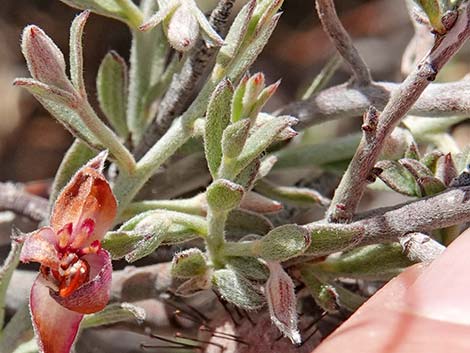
<point>184,83</point>
<point>341,40</point>
<point>377,129</point>
<point>420,247</point>
<point>451,207</point>
<point>14,199</point>
<point>346,101</point>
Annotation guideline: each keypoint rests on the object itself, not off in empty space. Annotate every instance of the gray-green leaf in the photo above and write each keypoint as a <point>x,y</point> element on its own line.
<point>217,119</point>
<point>111,85</point>
<point>237,290</point>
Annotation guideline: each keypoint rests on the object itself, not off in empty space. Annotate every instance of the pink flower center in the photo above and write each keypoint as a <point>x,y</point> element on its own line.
<point>73,270</point>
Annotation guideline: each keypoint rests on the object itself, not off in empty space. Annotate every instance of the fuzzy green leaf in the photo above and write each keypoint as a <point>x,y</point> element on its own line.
<point>153,231</point>
<point>237,290</point>
<point>283,243</point>
<point>61,106</point>
<point>217,119</point>
<point>111,86</point>
<point>112,314</point>
<point>372,262</point>
<point>124,11</point>
<point>248,267</point>
<point>295,196</point>
<point>234,138</point>
<point>6,271</point>
<point>260,140</point>
<point>189,263</point>
<point>434,13</point>
<point>247,176</point>
<point>430,185</point>
<point>398,178</point>
<point>224,195</point>
<point>237,101</point>
<point>242,222</point>
<point>329,296</point>
<point>76,52</point>
<point>237,32</point>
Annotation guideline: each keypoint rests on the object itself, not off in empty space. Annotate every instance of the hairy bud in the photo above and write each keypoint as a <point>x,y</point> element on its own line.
<point>45,61</point>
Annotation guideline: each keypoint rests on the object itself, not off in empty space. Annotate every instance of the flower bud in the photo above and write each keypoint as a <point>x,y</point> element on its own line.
<point>259,203</point>
<point>281,299</point>
<point>188,263</point>
<point>445,169</point>
<point>45,61</point>
<point>284,242</point>
<point>254,86</point>
<point>430,185</point>
<point>183,29</point>
<point>430,160</point>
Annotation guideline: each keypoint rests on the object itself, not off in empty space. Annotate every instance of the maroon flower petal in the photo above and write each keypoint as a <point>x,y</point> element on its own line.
<point>55,326</point>
<point>94,294</point>
<point>40,247</point>
<point>87,196</point>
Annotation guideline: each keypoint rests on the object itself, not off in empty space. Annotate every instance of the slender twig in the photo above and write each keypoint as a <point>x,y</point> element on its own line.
<point>346,101</point>
<point>14,199</point>
<point>349,192</point>
<point>183,84</point>
<point>421,42</point>
<point>342,41</point>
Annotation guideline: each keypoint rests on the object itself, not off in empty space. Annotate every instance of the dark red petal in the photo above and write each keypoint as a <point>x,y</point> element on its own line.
<point>40,247</point>
<point>55,326</point>
<point>94,294</point>
<point>87,196</point>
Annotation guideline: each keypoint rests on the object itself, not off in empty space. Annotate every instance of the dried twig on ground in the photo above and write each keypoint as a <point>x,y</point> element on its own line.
<point>14,199</point>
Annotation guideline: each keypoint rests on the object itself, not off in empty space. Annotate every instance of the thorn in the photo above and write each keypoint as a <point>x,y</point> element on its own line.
<point>212,330</point>
<point>178,313</point>
<point>193,312</point>
<point>221,301</point>
<point>177,343</point>
<point>252,322</point>
<point>151,346</point>
<point>179,335</point>
<point>239,312</point>
<point>309,337</point>
<point>223,335</point>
